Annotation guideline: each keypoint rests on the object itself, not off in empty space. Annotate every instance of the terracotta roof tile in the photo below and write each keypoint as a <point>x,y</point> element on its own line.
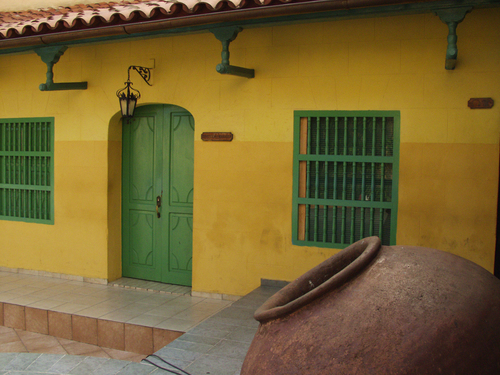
<point>18,23</point>
<point>84,16</point>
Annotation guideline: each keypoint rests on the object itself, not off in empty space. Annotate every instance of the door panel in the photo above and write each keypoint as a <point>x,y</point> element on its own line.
<point>141,234</point>
<point>142,159</point>
<point>182,161</point>
<point>181,244</point>
<point>158,158</point>
<point>179,196</point>
<point>141,238</point>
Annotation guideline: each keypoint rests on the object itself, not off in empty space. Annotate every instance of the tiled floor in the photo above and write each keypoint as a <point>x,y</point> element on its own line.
<point>55,364</point>
<point>172,311</point>
<point>16,340</point>
<point>216,346</point>
<point>218,332</point>
<point>219,344</point>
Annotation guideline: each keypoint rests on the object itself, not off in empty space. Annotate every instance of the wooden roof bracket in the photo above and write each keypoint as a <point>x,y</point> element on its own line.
<point>50,56</point>
<point>452,17</point>
<point>226,35</point>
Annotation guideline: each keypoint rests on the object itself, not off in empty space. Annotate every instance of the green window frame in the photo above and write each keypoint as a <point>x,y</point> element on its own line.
<point>345,177</point>
<point>27,169</point>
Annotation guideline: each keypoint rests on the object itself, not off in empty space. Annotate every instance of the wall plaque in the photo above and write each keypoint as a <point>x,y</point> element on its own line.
<point>217,136</point>
<point>480,103</point>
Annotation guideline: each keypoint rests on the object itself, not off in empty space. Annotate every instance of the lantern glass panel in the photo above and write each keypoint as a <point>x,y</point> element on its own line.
<point>131,106</point>
<point>124,105</point>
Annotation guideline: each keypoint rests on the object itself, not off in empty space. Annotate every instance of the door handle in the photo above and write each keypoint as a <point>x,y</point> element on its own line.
<point>158,205</point>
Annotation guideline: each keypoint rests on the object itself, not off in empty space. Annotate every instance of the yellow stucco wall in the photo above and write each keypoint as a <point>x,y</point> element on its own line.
<point>243,189</point>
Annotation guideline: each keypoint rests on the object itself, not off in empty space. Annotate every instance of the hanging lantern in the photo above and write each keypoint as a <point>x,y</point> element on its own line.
<point>128,96</point>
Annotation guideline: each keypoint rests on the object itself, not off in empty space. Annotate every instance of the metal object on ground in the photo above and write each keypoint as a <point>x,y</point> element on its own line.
<point>373,309</point>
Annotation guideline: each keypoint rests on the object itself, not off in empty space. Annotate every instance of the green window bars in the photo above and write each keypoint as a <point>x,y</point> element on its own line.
<point>345,177</point>
<point>27,170</point>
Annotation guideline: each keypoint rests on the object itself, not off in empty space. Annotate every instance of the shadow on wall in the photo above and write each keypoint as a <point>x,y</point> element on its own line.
<point>114,196</point>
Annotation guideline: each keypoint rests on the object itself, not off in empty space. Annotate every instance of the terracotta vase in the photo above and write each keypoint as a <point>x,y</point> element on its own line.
<point>373,309</point>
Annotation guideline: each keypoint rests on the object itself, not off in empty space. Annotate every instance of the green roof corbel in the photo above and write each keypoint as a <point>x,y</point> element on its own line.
<point>226,35</point>
<point>50,56</point>
<point>452,17</point>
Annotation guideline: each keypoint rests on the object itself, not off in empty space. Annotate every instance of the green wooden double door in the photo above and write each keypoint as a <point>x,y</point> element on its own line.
<point>157,197</point>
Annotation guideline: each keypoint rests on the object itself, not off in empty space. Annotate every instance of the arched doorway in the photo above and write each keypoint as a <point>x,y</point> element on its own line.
<point>157,194</point>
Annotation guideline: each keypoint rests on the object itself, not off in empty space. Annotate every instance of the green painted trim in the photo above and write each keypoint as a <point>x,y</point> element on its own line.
<point>392,10</point>
<point>24,187</point>
<point>452,17</point>
<point>163,177</point>
<point>395,175</point>
<point>394,160</point>
<point>50,56</point>
<point>346,158</point>
<point>226,35</point>
<point>295,169</point>
<point>344,202</point>
<point>21,153</point>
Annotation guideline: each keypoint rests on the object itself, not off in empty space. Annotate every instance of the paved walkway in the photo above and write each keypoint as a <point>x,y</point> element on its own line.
<point>218,345</point>
<point>175,310</point>
<point>14,340</point>
<point>218,333</point>
<point>38,364</point>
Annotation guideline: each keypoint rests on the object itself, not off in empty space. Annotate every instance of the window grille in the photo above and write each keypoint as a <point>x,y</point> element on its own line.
<point>27,170</point>
<point>345,177</point>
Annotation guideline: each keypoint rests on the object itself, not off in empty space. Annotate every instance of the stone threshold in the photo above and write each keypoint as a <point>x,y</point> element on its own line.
<point>104,333</point>
<point>150,286</point>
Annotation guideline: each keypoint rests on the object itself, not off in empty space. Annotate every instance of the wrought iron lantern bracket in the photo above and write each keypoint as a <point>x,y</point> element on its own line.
<point>226,35</point>
<point>50,56</point>
<point>145,73</point>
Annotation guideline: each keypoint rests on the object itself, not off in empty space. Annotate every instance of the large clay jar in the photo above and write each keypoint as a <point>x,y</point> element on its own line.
<point>373,309</point>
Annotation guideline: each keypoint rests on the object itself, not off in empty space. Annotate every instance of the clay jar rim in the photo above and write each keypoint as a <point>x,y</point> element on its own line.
<point>328,275</point>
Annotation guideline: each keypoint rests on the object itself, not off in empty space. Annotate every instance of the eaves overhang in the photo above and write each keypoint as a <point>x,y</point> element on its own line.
<point>22,31</point>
